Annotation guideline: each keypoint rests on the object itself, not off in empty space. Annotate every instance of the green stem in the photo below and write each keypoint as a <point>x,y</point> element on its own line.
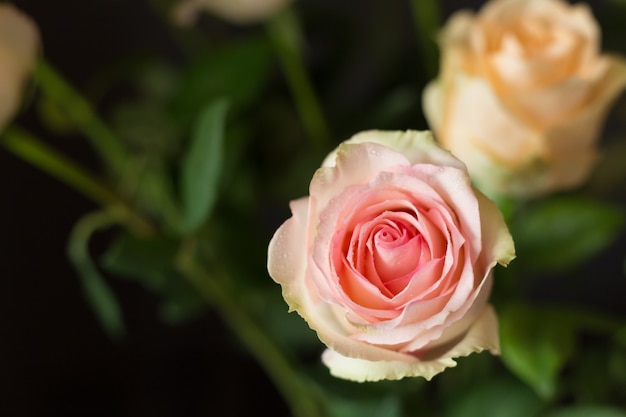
<point>94,286</point>
<point>427,20</point>
<point>37,153</point>
<point>285,33</point>
<point>81,113</point>
<point>299,395</point>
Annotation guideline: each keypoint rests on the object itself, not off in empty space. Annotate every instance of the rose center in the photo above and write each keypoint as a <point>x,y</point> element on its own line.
<point>397,249</point>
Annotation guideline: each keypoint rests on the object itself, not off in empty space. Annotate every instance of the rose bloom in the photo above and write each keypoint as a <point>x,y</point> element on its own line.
<point>522,94</point>
<point>235,11</point>
<point>390,258</point>
<point>19,43</point>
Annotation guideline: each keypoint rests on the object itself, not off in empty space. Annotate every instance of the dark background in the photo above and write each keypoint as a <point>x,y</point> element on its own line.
<point>54,358</point>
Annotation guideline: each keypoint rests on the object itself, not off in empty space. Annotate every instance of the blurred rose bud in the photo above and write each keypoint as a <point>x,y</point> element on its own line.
<point>19,44</point>
<point>523,93</point>
<point>240,12</point>
<point>390,258</point>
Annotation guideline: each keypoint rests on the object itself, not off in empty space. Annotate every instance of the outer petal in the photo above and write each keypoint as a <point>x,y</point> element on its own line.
<point>287,254</point>
<point>482,335</point>
<point>498,243</point>
<point>360,370</point>
<point>470,103</point>
<point>571,146</point>
<point>416,146</point>
<point>355,165</point>
<point>581,132</point>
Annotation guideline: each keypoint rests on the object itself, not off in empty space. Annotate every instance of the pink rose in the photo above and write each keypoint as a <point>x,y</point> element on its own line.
<point>390,258</point>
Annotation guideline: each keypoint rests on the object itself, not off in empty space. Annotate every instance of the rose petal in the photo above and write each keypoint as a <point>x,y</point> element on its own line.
<point>361,370</point>
<point>417,146</point>
<point>287,254</point>
<point>345,212</point>
<point>482,335</point>
<point>504,139</point>
<point>355,165</point>
<point>546,107</point>
<point>498,246</point>
<point>580,133</point>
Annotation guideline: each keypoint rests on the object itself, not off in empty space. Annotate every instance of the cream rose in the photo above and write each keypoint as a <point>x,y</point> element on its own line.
<point>390,258</point>
<point>19,43</point>
<point>236,11</point>
<point>522,94</point>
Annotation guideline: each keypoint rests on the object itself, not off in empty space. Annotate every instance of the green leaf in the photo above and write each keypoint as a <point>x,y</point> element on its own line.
<point>561,233</point>
<point>148,259</point>
<point>96,291</point>
<point>202,165</point>
<point>586,411</point>
<point>287,328</point>
<point>535,345</point>
<point>146,128</point>
<point>590,380</point>
<point>238,70</point>
<point>152,187</point>
<point>494,397</point>
<point>151,263</point>
<point>389,406</point>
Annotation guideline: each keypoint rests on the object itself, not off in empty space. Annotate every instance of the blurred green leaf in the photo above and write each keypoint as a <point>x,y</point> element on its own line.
<point>468,370</point>
<point>560,233</point>
<point>150,262</point>
<point>145,258</point>
<point>153,191</point>
<point>146,128</point>
<point>617,363</point>
<point>494,397</point>
<point>97,292</point>
<point>586,411</point>
<point>389,406</point>
<point>287,328</point>
<point>598,373</point>
<point>535,345</point>
<point>202,165</point>
<point>238,70</point>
